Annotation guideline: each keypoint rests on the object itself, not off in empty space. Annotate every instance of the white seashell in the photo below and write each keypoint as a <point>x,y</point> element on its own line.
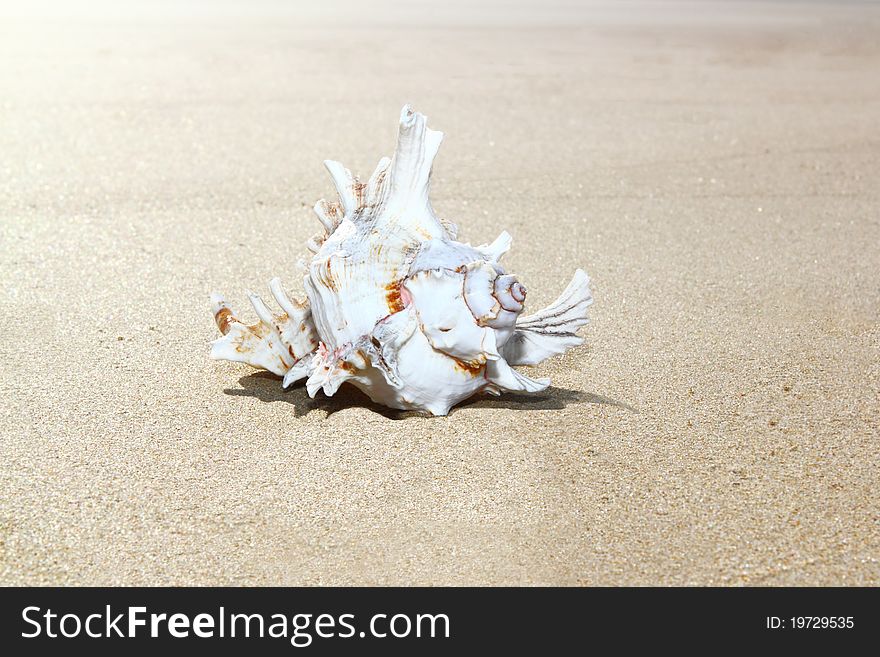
<point>396,306</point>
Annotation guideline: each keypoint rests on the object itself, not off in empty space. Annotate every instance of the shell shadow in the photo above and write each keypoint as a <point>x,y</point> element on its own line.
<point>267,388</point>
<point>551,399</point>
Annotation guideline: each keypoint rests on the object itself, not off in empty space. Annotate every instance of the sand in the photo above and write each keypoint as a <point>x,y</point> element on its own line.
<point>714,167</point>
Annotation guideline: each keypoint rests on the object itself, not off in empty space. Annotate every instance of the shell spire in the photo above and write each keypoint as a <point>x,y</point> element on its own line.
<point>396,306</point>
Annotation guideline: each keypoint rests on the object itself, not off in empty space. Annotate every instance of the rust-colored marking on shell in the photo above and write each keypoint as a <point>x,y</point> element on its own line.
<point>224,318</point>
<point>333,211</point>
<point>331,282</point>
<point>380,179</point>
<point>392,297</point>
<point>348,367</point>
<point>358,188</point>
<point>471,368</point>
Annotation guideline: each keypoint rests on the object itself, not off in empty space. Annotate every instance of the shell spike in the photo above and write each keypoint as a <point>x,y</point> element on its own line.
<point>417,146</point>
<point>293,310</point>
<point>223,315</point>
<point>300,370</point>
<point>498,247</point>
<point>327,378</point>
<point>261,308</point>
<point>376,185</point>
<point>325,216</point>
<point>217,302</point>
<point>507,378</point>
<point>345,186</point>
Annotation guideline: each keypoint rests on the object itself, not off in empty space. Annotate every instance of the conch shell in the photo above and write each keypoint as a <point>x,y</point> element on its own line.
<point>396,306</point>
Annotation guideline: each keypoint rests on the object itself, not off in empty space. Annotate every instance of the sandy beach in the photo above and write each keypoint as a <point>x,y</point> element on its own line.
<point>714,167</point>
